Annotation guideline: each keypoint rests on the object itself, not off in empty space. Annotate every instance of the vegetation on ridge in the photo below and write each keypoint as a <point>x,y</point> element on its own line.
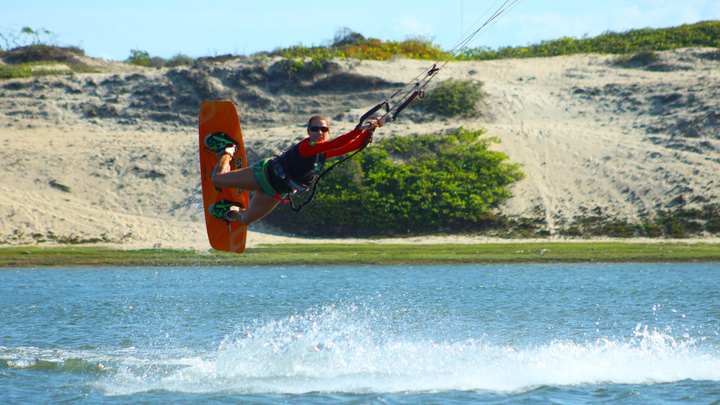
<point>350,44</point>
<point>353,45</point>
<point>702,34</point>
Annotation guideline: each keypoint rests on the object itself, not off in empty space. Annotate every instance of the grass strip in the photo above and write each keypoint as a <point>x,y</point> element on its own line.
<point>354,254</point>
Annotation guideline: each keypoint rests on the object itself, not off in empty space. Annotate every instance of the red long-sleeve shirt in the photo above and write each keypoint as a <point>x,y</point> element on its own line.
<point>339,146</point>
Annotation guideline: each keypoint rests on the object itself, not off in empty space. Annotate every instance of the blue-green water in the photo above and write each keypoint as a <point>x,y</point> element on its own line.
<point>620,333</point>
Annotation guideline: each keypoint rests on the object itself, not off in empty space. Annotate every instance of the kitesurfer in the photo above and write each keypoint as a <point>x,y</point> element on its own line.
<point>274,179</point>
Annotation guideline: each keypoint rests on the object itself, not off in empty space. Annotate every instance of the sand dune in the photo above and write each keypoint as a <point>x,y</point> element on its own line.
<point>111,157</point>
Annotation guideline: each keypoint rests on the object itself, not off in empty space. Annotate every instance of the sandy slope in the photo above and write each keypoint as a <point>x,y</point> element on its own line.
<point>111,156</point>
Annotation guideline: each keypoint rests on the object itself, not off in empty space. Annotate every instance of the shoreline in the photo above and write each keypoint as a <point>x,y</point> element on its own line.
<point>328,254</point>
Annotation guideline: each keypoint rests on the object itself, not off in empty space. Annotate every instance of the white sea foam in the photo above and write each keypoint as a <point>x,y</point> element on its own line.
<point>355,350</point>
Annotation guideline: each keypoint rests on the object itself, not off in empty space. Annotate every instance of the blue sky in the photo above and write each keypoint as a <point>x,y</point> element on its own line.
<point>110,29</point>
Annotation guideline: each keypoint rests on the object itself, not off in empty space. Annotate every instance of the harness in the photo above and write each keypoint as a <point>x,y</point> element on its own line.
<point>281,169</point>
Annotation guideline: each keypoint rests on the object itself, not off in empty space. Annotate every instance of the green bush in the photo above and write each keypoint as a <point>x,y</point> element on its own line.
<point>138,58</point>
<point>35,69</point>
<point>179,60</point>
<point>143,58</point>
<point>156,62</point>
<point>409,185</point>
<point>345,36</point>
<point>16,71</point>
<point>453,98</point>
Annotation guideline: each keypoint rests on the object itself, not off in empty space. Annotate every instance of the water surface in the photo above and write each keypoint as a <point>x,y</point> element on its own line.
<point>599,333</point>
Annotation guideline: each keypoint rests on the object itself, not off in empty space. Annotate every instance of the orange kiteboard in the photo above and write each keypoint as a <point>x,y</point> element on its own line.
<point>221,116</point>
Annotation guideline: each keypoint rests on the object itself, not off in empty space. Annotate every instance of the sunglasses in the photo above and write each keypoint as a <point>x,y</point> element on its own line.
<point>318,129</point>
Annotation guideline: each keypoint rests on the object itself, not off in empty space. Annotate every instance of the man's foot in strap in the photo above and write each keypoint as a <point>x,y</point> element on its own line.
<point>223,208</point>
<point>221,143</point>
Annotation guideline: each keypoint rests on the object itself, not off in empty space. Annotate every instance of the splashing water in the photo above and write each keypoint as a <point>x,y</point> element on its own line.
<point>348,350</point>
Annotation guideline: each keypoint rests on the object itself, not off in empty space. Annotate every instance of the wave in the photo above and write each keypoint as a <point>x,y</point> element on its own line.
<point>52,361</point>
<point>353,350</point>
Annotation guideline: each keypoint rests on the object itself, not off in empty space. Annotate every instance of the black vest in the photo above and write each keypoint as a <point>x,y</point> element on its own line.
<point>290,172</point>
